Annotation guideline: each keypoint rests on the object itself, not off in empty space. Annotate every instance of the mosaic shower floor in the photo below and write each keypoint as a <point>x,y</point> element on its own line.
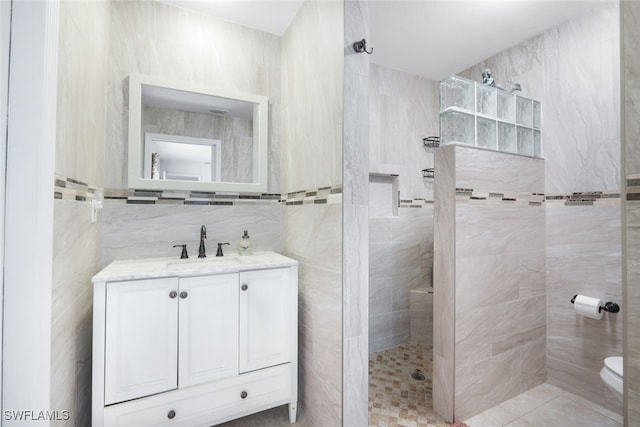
<point>395,398</point>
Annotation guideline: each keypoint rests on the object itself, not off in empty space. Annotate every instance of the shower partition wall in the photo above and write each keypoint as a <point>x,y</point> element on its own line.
<point>489,270</point>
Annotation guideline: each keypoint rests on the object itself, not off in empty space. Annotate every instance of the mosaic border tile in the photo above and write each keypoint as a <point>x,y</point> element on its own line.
<point>71,189</point>
<point>315,196</point>
<point>185,197</point>
<point>506,198</point>
<point>586,198</point>
<point>633,187</point>
<point>414,203</point>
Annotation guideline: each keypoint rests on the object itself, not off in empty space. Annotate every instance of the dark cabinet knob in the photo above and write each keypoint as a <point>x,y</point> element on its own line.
<point>173,294</point>
<point>183,294</point>
<point>171,415</point>
<point>244,287</point>
<point>243,395</point>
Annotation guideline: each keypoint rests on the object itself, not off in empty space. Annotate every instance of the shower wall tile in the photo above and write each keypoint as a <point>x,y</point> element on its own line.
<point>142,231</point>
<point>444,212</point>
<point>355,169</point>
<point>404,109</point>
<point>489,265</point>
<point>421,316</point>
<point>497,171</point>
<point>400,260</point>
<point>481,384</point>
<point>159,39</point>
<point>574,69</point>
<point>521,64</point>
<point>581,107</point>
<point>583,257</point>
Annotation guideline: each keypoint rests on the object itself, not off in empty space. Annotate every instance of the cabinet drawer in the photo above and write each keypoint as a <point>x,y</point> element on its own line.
<point>207,404</point>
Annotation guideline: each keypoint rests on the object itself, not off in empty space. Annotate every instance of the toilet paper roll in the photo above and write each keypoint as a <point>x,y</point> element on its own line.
<point>588,307</point>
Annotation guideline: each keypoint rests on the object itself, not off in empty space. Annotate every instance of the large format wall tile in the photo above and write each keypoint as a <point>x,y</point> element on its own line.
<point>142,231</point>
<point>444,212</point>
<point>489,299</point>
<point>80,130</point>
<point>81,103</point>
<point>403,110</point>
<point>312,94</point>
<point>573,69</point>
<point>581,105</point>
<point>631,91</point>
<point>313,71</point>
<point>76,258</point>
<point>320,305</point>
<point>583,257</point>
<point>158,39</point>
<point>401,260</point>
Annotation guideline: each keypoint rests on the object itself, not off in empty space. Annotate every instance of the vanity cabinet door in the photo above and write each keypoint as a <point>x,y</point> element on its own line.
<point>208,328</point>
<point>265,319</point>
<point>141,337</point>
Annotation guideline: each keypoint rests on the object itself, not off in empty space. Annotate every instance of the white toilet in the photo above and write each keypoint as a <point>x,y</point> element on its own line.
<point>611,374</point>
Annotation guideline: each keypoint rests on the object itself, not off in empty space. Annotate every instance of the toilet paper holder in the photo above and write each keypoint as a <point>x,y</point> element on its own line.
<point>609,306</point>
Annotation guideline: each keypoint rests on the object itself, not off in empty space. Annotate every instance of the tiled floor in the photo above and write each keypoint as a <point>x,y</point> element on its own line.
<point>546,406</point>
<point>395,399</point>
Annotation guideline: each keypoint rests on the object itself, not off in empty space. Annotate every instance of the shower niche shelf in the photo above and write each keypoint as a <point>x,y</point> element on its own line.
<point>478,115</point>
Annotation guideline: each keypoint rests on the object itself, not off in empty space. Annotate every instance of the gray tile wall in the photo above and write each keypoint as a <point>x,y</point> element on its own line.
<point>401,259</point>
<point>158,39</point>
<point>312,150</point>
<point>500,302</point>
<point>76,242</point>
<point>444,265</point>
<point>421,316</point>
<point>142,231</point>
<point>574,69</point>
<point>631,92</point>
<point>403,110</point>
<point>355,260</point>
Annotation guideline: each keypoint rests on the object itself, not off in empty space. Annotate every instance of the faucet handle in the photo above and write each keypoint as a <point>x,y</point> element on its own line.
<point>184,253</point>
<point>219,253</point>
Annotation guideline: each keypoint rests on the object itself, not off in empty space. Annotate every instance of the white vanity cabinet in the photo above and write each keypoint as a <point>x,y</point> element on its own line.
<point>194,344</point>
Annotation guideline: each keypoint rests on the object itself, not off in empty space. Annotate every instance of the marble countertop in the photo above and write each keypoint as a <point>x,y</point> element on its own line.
<point>148,268</point>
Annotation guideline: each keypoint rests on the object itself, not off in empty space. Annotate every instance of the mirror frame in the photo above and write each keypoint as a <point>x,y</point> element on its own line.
<point>136,144</point>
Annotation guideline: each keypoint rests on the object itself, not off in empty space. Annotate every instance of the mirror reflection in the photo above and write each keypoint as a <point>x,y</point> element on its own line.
<point>195,139</point>
<point>181,158</point>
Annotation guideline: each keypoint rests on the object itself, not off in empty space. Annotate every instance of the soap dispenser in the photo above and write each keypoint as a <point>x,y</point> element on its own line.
<point>244,245</point>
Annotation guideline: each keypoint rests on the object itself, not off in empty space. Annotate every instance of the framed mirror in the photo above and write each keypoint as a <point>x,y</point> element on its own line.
<point>188,137</point>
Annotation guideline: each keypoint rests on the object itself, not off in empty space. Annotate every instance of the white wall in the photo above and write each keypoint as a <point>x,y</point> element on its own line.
<point>29,202</point>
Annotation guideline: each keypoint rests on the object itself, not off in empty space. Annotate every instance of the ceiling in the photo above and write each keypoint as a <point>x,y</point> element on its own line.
<point>431,38</point>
